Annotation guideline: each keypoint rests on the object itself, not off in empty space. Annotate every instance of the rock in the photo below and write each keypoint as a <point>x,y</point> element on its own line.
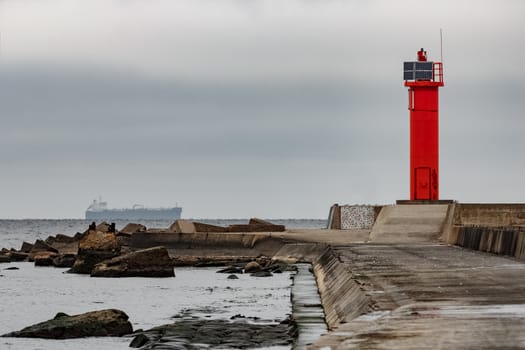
<point>262,274</point>
<point>60,238</point>
<point>12,268</point>
<point>231,269</point>
<point>252,267</point>
<point>257,221</point>
<point>183,226</point>
<point>236,333</point>
<point>233,277</point>
<point>102,227</point>
<point>131,228</point>
<point>151,262</point>
<point>64,260</point>
<point>44,258</point>
<point>139,341</point>
<point>110,322</point>
<point>26,247</point>
<point>94,248</point>
<point>41,246</point>
<point>79,235</point>
<point>200,227</point>
<point>280,268</point>
<point>99,240</point>
<point>17,256</point>
<point>257,225</point>
<point>4,258</point>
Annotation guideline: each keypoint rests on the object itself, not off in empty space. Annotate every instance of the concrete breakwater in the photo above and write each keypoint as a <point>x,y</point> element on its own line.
<point>509,241</point>
<point>342,297</point>
<point>493,228</point>
<point>397,284</point>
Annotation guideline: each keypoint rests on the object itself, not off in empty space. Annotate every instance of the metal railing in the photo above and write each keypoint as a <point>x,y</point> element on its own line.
<point>438,72</point>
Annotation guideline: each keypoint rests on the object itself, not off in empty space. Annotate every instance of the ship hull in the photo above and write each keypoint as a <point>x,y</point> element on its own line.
<point>134,214</point>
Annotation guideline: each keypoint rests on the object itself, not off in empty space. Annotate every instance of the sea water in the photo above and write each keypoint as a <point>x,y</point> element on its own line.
<point>32,294</point>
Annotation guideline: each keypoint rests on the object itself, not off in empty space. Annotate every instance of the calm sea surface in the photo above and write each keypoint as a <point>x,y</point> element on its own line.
<point>34,294</point>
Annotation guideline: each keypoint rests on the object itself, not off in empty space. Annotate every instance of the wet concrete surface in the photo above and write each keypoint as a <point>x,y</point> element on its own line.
<point>432,296</point>
<point>307,310</point>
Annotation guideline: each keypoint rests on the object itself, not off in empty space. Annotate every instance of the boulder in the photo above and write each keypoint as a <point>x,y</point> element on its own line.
<point>94,248</point>
<point>110,322</point>
<point>252,266</point>
<point>44,258</point>
<point>103,227</point>
<point>26,247</point>
<point>151,262</point>
<point>256,228</point>
<point>139,341</point>
<point>131,228</point>
<point>262,274</point>
<point>40,247</point>
<point>64,260</point>
<point>233,277</point>
<point>17,256</point>
<point>200,227</point>
<point>183,226</point>
<point>60,238</point>
<point>231,269</point>
<point>257,221</point>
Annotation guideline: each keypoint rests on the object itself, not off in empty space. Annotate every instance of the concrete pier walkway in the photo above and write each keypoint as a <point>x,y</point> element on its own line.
<point>403,284</point>
<point>430,296</point>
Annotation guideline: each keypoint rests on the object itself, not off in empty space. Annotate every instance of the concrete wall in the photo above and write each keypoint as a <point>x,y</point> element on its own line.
<point>352,217</point>
<point>209,243</point>
<point>489,214</point>
<point>508,241</point>
<point>341,296</point>
<point>497,228</point>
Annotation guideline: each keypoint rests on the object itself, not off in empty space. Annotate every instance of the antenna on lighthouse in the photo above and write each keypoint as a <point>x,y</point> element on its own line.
<point>441,42</point>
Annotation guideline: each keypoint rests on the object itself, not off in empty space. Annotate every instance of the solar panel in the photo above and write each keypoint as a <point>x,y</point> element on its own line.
<point>423,75</point>
<point>424,65</point>
<point>408,75</point>
<point>417,70</point>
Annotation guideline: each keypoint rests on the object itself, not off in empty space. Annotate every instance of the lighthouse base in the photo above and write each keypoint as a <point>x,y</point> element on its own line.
<point>425,201</point>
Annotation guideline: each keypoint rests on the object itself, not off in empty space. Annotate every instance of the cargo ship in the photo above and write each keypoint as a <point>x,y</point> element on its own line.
<point>98,210</point>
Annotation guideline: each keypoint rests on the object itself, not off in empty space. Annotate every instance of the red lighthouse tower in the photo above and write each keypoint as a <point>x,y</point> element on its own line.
<point>423,79</point>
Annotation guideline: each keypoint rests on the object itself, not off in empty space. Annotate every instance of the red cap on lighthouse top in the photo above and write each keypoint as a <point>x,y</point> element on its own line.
<point>422,55</point>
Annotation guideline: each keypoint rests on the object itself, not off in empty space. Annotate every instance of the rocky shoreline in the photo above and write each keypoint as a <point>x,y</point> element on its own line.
<point>102,251</point>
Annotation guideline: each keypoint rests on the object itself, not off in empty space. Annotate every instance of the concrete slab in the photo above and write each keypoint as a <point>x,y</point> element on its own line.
<point>432,296</point>
<point>409,223</point>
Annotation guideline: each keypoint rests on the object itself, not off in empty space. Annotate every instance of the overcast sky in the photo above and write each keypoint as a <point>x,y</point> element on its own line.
<point>241,108</point>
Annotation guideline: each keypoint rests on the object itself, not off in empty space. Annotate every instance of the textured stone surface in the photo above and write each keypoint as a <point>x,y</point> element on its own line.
<point>101,323</point>
<point>152,262</point>
<point>95,247</point>
<point>357,217</point>
<point>217,334</point>
<point>131,228</point>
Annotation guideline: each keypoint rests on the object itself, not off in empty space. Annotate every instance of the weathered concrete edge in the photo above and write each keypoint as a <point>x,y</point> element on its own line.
<point>341,296</point>
<point>496,228</point>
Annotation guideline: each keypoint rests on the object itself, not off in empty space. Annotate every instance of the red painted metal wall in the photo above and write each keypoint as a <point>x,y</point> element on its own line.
<point>423,103</point>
